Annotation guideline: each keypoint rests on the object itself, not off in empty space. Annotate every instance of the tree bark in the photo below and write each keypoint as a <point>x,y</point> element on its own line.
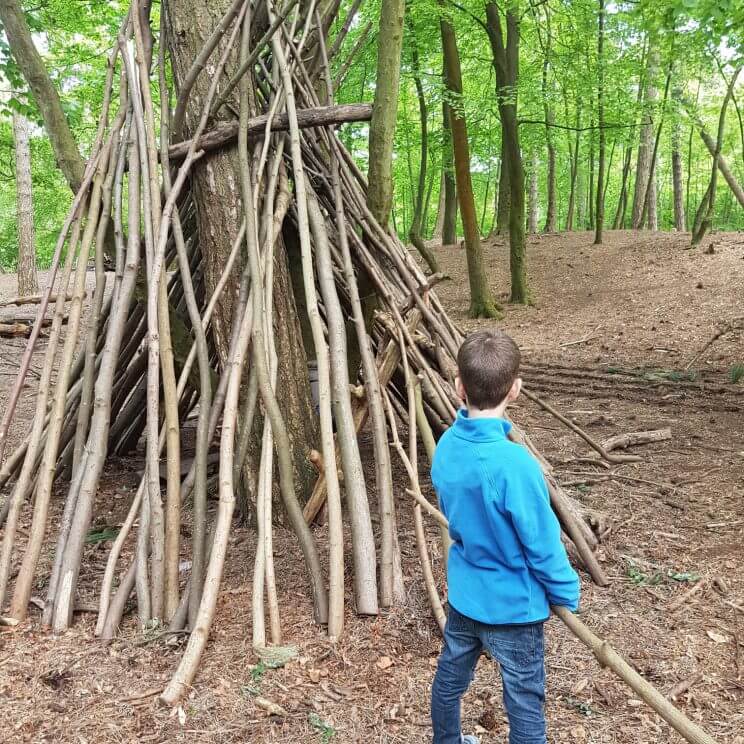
<point>415,234</point>
<point>45,94</point>
<point>482,304</point>
<point>216,182</point>
<point>601,124</point>
<point>532,200</point>
<point>645,145</point>
<point>28,282</point>
<point>680,219</point>
<point>506,64</point>
<point>550,216</point>
<point>574,153</point>
<point>449,224</point>
<point>384,110</point>
<point>707,208</point>
<point>723,166</point>
<point>590,196</point>
<point>622,203</point>
<point>504,195</point>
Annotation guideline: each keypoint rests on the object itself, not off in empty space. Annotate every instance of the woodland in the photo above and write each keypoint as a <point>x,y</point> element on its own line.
<point>241,242</point>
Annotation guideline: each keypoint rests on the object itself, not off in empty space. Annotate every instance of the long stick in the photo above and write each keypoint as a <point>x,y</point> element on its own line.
<point>608,657</point>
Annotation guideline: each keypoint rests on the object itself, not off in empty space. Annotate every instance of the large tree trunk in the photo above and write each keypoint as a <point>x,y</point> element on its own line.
<point>601,124</point>
<point>45,94</point>
<point>215,180</point>
<point>385,109</point>
<point>482,304</point>
<point>590,196</point>
<point>28,283</point>
<point>645,145</point>
<point>505,53</point>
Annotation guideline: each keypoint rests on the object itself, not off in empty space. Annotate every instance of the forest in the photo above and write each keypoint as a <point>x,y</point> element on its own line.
<point>241,243</point>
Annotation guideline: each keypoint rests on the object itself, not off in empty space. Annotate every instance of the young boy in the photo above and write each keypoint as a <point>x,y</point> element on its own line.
<point>507,564</point>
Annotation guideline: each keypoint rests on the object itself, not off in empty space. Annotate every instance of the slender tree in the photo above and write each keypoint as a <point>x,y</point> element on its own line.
<point>482,304</point>
<point>414,233</point>
<point>680,218</point>
<point>601,124</point>
<point>505,52</point>
<point>384,110</point>
<point>28,282</point>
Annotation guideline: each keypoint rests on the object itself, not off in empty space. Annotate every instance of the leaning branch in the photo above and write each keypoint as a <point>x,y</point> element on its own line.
<point>322,116</point>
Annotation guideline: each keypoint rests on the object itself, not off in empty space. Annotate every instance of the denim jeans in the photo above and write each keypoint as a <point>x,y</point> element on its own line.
<point>519,651</point>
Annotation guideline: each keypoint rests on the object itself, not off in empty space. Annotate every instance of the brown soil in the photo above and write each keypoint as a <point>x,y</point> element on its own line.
<point>640,308</point>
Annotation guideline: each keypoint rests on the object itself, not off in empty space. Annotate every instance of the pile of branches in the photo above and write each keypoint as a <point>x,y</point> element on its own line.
<point>121,386</point>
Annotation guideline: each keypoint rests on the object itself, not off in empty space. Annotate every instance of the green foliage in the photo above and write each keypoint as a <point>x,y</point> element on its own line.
<point>736,373</point>
<point>703,39</point>
<point>326,731</point>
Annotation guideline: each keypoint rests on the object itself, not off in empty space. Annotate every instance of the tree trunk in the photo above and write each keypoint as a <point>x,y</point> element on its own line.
<point>678,189</point>
<point>436,234</point>
<point>28,283</point>
<point>482,304</point>
<point>723,166</point>
<point>645,144</point>
<point>385,109</point>
<point>532,200</point>
<point>550,217</point>
<point>216,181</point>
<point>415,234</point>
<point>601,123</point>
<point>619,221</point>
<point>506,64</point>
<point>45,94</point>
<point>449,224</point>
<point>709,202</point>
<point>574,153</point>
<point>590,195</point>
<point>504,196</point>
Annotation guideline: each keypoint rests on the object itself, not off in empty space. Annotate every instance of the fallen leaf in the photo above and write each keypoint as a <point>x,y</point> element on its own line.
<point>384,662</point>
<point>717,637</point>
<point>314,675</point>
<point>580,686</point>
<point>269,706</point>
<point>578,733</point>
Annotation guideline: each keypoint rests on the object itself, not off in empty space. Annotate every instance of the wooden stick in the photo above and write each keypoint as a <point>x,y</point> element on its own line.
<point>608,657</point>
<point>225,134</point>
<point>623,441</point>
<point>593,443</point>
<point>687,595</point>
<point>31,300</point>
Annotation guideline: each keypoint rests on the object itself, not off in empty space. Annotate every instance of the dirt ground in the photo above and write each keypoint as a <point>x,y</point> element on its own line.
<point>607,342</point>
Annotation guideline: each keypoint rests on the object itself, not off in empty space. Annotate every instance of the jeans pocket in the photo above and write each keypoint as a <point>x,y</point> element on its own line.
<point>513,644</point>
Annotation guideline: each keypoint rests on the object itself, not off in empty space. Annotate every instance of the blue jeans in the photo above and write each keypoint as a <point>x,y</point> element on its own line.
<point>519,651</point>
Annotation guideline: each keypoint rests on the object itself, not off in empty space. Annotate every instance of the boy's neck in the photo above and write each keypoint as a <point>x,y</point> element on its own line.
<point>497,412</point>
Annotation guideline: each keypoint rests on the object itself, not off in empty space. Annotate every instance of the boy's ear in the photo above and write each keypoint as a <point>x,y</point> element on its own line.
<point>460,389</point>
<point>515,390</point>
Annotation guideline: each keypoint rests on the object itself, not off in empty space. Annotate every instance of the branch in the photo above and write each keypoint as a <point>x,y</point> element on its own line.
<point>323,116</point>
<point>468,13</point>
<point>576,129</point>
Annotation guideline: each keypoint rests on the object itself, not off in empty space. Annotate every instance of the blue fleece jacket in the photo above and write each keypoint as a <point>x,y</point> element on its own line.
<point>507,563</point>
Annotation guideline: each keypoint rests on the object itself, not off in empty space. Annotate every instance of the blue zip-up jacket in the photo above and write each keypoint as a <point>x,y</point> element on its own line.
<point>507,563</point>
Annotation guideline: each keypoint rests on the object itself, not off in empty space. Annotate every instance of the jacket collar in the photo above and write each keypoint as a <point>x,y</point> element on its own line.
<point>480,429</point>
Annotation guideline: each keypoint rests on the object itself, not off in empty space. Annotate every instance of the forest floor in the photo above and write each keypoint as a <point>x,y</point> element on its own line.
<point>608,341</point>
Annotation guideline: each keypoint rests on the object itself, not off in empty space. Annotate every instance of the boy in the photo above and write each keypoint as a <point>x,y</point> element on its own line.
<point>507,564</point>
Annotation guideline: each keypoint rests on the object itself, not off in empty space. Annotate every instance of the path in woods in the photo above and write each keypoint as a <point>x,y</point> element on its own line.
<point>641,307</point>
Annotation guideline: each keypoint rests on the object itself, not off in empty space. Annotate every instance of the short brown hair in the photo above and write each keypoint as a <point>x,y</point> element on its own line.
<point>488,363</point>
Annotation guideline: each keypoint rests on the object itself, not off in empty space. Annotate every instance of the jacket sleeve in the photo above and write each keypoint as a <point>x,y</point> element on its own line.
<point>528,504</point>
